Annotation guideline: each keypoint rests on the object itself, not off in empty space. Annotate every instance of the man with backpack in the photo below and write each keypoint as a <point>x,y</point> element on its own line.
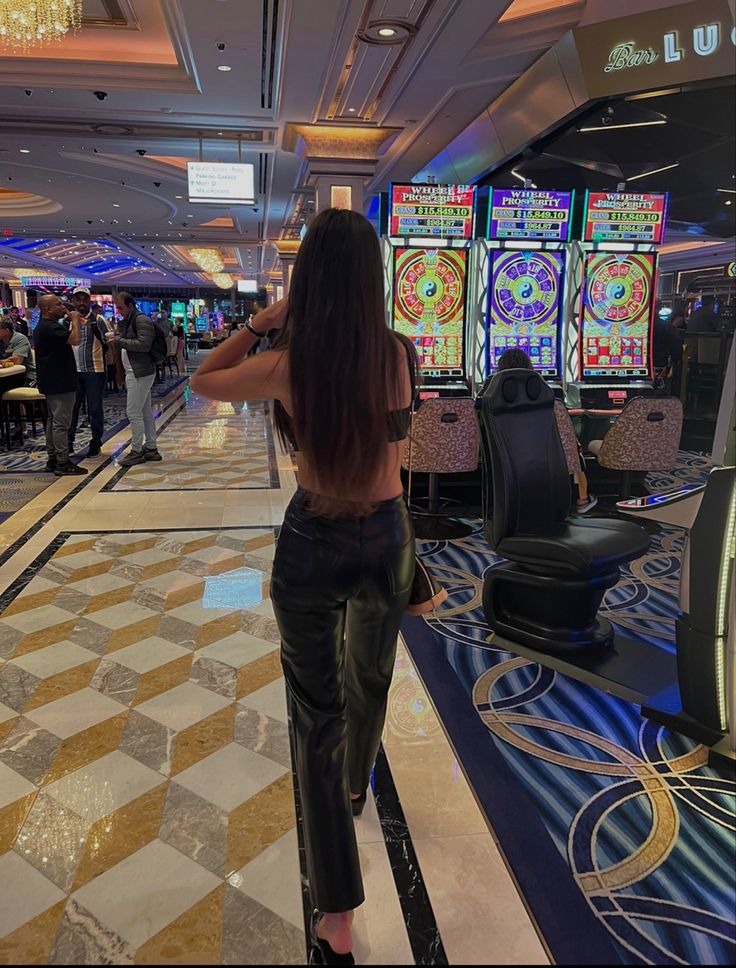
<point>90,359</point>
<point>143,345</point>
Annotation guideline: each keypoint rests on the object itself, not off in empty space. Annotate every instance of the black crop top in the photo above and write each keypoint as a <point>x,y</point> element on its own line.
<point>397,426</point>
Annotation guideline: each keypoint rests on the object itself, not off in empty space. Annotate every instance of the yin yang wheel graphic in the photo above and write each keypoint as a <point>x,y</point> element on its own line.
<point>618,288</point>
<point>525,289</point>
<point>430,286</point>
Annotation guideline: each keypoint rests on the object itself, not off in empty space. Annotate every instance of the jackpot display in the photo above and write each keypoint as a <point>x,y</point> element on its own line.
<point>624,217</point>
<point>616,315</point>
<point>524,307</point>
<point>443,211</point>
<point>429,305</point>
<point>524,213</point>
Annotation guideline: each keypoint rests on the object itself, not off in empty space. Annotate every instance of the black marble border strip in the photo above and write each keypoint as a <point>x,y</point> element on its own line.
<point>421,925</point>
<point>35,528</point>
<point>273,474</point>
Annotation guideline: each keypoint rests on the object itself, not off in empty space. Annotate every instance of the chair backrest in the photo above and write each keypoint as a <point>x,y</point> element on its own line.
<point>531,482</point>
<point>567,436</point>
<point>172,344</point>
<point>646,437</point>
<point>445,437</point>
<point>708,350</point>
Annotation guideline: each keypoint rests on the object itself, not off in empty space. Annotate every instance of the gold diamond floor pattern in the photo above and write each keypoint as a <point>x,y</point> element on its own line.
<point>146,804</point>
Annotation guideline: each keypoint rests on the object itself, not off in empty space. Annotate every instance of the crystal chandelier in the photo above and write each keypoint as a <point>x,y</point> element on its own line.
<point>223,279</point>
<point>35,23</point>
<point>209,260</point>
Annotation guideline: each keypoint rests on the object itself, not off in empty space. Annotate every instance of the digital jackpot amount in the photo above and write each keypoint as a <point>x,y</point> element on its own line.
<point>524,213</point>
<point>443,211</point>
<point>624,217</point>
<point>429,304</point>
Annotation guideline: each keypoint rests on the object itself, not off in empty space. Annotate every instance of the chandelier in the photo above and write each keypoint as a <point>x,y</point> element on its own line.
<point>209,260</point>
<point>35,23</point>
<point>223,279</point>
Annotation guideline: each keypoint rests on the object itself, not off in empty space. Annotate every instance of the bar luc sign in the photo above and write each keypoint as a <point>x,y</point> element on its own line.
<point>705,41</point>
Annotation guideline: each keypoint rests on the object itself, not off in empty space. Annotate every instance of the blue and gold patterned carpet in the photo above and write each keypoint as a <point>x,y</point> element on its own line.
<point>622,839</point>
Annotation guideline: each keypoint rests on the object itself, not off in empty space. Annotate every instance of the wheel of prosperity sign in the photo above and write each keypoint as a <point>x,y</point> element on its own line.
<point>525,290</point>
<point>618,288</point>
<point>430,285</point>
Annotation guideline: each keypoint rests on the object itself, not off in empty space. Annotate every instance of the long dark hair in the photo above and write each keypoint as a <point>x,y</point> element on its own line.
<point>343,359</point>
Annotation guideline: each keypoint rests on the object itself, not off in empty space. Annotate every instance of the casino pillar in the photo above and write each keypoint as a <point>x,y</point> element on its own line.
<point>338,160</point>
<point>287,250</point>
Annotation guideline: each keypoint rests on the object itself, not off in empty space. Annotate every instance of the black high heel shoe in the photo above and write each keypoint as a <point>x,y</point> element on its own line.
<point>358,805</point>
<point>322,949</point>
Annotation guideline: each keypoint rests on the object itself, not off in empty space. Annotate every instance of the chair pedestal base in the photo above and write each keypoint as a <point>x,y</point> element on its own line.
<point>427,527</point>
<point>551,614</point>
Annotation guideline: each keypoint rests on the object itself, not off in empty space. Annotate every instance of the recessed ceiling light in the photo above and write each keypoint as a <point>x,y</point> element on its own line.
<point>387,32</point>
<point>24,151</point>
<point>178,196</point>
<point>115,205</point>
<point>223,67</point>
<point>352,110</point>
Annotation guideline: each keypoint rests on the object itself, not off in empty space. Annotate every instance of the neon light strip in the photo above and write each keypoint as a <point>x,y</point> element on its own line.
<point>654,171</point>
<point>618,127</point>
<point>729,551</point>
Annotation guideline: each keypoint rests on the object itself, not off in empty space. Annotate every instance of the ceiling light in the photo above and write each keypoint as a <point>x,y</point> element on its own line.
<point>24,151</point>
<point>223,67</point>
<point>731,191</point>
<point>728,202</point>
<point>352,110</point>
<point>24,24</point>
<point>115,205</point>
<point>654,171</point>
<point>387,32</point>
<point>178,196</point>
<point>617,127</point>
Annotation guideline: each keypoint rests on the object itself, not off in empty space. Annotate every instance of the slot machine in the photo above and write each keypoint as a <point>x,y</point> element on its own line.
<point>621,232</point>
<point>523,273</point>
<point>426,257</point>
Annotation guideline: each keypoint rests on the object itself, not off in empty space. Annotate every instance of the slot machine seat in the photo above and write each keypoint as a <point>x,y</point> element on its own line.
<point>646,437</point>
<point>546,595</point>
<point>444,438</point>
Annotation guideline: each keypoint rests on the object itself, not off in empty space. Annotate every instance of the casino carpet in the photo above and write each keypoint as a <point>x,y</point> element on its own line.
<point>620,836</point>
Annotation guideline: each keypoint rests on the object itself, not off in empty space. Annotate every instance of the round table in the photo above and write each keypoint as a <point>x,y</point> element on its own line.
<point>14,370</point>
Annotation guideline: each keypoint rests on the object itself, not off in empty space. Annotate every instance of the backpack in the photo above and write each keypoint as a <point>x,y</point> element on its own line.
<point>158,351</point>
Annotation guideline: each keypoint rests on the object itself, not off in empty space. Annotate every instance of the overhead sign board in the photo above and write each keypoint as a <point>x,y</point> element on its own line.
<point>640,52</point>
<point>525,213</point>
<point>435,211</point>
<point>248,286</point>
<point>218,183</point>
<point>624,217</point>
<point>54,282</point>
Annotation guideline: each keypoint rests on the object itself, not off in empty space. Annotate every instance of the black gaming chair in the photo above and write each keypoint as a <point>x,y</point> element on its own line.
<point>547,594</point>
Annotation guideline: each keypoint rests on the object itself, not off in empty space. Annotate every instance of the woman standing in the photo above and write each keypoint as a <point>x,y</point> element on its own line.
<point>345,557</point>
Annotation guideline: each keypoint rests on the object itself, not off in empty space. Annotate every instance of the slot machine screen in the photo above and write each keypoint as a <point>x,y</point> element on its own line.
<point>429,306</point>
<point>615,325</point>
<point>525,304</point>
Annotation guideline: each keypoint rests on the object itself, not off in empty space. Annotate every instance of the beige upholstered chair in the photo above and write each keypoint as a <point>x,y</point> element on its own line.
<point>646,437</point>
<point>444,439</point>
<point>568,438</point>
<point>28,398</point>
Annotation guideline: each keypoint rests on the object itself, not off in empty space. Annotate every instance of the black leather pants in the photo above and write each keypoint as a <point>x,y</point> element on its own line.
<point>339,589</point>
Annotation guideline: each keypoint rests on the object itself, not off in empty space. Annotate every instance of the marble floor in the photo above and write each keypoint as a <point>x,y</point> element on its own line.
<point>147,804</point>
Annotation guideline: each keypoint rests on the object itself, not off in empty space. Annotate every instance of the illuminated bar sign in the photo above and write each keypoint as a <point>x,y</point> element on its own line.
<point>525,213</point>
<point>54,282</point>
<point>221,183</point>
<point>624,217</point>
<point>441,211</point>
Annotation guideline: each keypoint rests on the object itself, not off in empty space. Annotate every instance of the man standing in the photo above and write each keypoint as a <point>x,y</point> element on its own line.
<point>135,339</point>
<point>15,348</point>
<point>705,319</point>
<point>57,380</point>
<point>90,357</point>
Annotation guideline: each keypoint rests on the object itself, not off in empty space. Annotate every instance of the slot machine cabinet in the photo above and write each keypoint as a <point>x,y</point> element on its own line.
<point>523,264</point>
<point>615,317</point>
<point>426,257</point>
